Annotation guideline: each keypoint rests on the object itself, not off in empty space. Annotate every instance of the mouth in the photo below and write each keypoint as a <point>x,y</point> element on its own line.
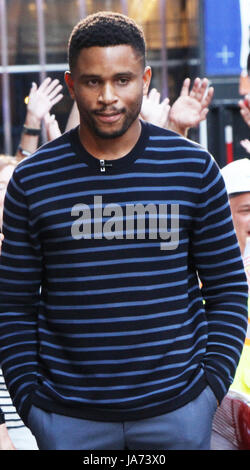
<point>108,117</point>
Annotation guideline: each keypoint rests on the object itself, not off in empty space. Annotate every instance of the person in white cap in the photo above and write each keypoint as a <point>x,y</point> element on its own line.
<point>237,180</point>
<point>231,424</point>
<point>244,105</point>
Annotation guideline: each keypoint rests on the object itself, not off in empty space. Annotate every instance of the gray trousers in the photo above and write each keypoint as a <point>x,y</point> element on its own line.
<point>187,428</point>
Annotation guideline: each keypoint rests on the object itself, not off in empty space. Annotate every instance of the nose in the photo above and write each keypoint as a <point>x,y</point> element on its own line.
<point>107,95</point>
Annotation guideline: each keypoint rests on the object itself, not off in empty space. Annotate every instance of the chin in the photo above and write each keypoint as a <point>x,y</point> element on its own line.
<point>107,136</point>
<point>112,134</point>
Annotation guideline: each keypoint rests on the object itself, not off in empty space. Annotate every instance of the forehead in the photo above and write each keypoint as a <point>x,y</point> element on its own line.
<point>103,60</point>
<point>241,200</point>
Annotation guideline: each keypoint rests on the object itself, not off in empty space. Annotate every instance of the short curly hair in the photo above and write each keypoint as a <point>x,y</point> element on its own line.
<point>104,29</point>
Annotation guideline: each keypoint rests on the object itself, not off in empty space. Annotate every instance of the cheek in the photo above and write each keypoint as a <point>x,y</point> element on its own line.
<point>133,100</point>
<point>84,103</point>
<point>241,223</point>
<point>84,95</point>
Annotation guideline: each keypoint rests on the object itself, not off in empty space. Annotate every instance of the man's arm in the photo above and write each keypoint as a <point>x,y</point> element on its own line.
<point>218,261</point>
<point>20,279</point>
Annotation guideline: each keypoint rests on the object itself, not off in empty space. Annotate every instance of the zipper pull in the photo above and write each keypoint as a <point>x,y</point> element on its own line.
<point>103,165</point>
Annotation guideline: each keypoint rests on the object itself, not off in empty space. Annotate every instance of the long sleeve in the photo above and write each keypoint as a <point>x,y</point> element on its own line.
<point>20,278</point>
<point>220,268</point>
<point>116,329</point>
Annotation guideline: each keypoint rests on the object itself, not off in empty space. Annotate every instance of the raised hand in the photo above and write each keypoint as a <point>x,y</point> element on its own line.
<point>40,101</point>
<point>51,126</point>
<point>245,109</point>
<point>245,143</point>
<point>43,98</point>
<point>153,111</point>
<point>191,107</point>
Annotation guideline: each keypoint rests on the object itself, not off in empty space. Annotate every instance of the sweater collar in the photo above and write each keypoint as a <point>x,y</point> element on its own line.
<point>110,166</point>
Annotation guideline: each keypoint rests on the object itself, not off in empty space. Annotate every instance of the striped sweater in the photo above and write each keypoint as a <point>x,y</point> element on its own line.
<point>108,321</point>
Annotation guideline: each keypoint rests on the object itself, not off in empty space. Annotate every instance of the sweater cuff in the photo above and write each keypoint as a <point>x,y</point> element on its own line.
<point>217,384</point>
<point>24,409</point>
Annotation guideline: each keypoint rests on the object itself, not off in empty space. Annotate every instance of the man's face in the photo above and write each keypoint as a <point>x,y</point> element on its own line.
<point>5,175</point>
<point>240,208</point>
<point>108,84</point>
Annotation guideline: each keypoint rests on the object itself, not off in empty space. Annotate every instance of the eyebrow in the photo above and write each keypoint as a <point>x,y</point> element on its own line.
<point>244,206</point>
<point>116,75</point>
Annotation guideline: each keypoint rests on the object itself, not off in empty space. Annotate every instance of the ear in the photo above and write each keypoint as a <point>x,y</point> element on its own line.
<point>70,84</point>
<point>146,79</point>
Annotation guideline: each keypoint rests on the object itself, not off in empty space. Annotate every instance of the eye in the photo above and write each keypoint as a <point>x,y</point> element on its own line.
<point>93,82</point>
<point>123,81</point>
<point>244,211</point>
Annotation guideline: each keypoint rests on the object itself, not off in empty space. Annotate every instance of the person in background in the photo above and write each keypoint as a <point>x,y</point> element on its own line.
<point>237,180</point>
<point>40,101</point>
<point>231,425</point>
<point>189,109</point>
<point>13,433</point>
<point>244,105</point>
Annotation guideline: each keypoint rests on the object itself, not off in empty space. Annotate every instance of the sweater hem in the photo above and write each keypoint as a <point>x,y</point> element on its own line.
<point>111,415</point>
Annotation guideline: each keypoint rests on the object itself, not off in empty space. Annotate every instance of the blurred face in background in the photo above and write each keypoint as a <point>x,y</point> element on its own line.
<point>240,208</point>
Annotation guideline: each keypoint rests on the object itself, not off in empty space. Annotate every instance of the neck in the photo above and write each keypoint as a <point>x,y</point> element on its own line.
<point>113,148</point>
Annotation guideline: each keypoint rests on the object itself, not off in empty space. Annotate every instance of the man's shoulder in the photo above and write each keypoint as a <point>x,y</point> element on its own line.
<point>161,134</point>
<point>47,153</point>
<point>167,140</point>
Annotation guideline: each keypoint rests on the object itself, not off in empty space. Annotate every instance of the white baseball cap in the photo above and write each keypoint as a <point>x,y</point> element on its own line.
<point>237,176</point>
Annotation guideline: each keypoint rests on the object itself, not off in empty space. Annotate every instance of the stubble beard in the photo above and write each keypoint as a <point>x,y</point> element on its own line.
<point>129,119</point>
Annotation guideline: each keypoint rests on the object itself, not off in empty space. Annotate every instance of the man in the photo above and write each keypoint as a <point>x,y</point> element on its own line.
<point>105,340</point>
